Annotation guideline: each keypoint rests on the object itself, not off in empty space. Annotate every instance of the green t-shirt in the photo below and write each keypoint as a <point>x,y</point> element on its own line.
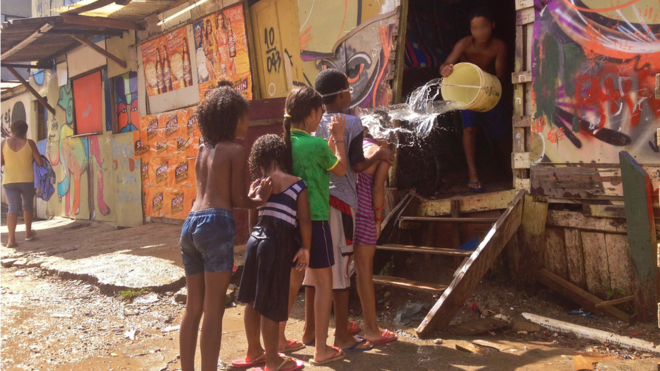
<point>312,161</point>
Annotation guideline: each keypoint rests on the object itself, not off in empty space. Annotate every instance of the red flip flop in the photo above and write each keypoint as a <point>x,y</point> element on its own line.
<point>385,338</point>
<point>291,347</point>
<point>255,362</point>
<point>355,328</point>
<point>299,364</point>
<point>336,356</point>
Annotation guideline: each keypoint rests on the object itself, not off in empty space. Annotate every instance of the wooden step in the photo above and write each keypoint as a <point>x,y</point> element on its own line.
<point>425,249</point>
<point>410,284</point>
<point>440,219</point>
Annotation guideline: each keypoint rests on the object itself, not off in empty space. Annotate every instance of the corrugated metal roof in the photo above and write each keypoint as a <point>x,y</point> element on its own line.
<point>134,11</point>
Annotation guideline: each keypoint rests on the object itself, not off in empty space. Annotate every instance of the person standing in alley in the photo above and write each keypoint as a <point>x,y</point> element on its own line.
<point>18,152</point>
<point>207,236</point>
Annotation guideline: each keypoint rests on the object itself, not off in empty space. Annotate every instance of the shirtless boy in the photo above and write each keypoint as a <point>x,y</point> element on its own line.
<point>489,53</point>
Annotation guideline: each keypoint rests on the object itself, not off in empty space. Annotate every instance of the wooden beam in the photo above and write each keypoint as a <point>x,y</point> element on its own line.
<point>69,31</point>
<point>525,16</point>
<point>572,219</point>
<point>521,77</point>
<point>531,239</point>
<point>397,83</point>
<point>41,99</point>
<point>615,301</point>
<point>101,51</point>
<point>468,277</point>
<point>92,6</point>
<point>642,239</point>
<point>522,121</point>
<point>468,204</point>
<point>101,22</point>
<point>28,66</point>
<point>581,297</point>
<point>447,220</point>
<point>520,160</point>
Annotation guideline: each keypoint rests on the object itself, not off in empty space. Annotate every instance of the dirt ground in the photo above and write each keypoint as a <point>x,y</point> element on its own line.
<point>50,323</point>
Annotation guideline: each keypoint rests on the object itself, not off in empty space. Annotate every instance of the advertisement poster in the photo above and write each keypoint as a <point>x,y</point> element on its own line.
<point>167,144</point>
<point>167,63</point>
<point>88,103</point>
<point>221,50</point>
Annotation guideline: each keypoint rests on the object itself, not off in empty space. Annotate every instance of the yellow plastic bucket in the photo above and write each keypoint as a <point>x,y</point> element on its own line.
<point>481,99</point>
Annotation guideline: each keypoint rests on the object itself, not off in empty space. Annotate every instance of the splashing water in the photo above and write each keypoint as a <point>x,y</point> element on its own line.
<point>420,111</point>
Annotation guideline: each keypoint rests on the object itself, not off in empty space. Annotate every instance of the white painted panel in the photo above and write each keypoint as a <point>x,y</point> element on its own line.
<point>85,59</point>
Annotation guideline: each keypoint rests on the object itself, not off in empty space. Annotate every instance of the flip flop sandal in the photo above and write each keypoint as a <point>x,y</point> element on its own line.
<point>336,356</point>
<point>355,328</point>
<point>291,348</point>
<point>385,338</point>
<point>299,364</point>
<point>354,347</point>
<point>477,186</point>
<point>34,234</point>
<point>245,363</point>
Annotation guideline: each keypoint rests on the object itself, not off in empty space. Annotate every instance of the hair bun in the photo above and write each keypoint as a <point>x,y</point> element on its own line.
<point>224,81</point>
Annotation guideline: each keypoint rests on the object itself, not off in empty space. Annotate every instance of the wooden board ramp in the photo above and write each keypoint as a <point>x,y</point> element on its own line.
<point>474,269</point>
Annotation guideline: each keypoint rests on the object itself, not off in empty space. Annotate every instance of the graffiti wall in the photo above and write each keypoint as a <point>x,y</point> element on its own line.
<point>594,68</point>
<point>126,98</point>
<point>16,108</point>
<point>85,185</point>
<point>297,40</point>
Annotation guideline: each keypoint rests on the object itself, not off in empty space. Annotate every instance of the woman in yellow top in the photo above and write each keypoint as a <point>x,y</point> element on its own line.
<point>18,178</point>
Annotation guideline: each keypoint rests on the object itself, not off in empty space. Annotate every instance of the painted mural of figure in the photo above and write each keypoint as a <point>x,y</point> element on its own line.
<point>127,102</point>
<point>73,155</point>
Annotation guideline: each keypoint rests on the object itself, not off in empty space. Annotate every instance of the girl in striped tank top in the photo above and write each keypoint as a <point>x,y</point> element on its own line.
<point>368,219</point>
<point>281,239</point>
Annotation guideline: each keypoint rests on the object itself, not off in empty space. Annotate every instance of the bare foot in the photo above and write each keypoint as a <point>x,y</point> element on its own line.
<point>328,353</point>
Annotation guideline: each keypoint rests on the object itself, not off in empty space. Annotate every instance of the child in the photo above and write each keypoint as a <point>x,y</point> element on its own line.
<point>334,88</point>
<point>371,202</point>
<point>207,237</point>
<point>489,54</point>
<point>269,252</point>
<point>313,160</point>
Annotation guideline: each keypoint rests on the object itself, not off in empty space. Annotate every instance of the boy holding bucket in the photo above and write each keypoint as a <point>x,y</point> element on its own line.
<point>489,53</point>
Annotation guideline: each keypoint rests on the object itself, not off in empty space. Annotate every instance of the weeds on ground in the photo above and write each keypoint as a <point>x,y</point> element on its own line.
<point>129,295</point>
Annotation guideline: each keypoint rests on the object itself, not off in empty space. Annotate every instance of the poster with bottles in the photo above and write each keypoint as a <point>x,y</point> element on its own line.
<point>167,63</point>
<point>221,50</point>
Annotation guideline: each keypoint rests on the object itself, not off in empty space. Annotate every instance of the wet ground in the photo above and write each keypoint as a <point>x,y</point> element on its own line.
<point>53,323</point>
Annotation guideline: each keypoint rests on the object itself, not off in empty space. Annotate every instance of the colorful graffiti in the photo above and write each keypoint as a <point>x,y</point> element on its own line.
<point>593,81</point>
<point>11,112</point>
<point>126,90</point>
<point>364,57</point>
<point>74,155</point>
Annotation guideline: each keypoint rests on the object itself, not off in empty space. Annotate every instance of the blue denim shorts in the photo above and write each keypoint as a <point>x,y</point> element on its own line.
<point>207,241</point>
<point>495,121</point>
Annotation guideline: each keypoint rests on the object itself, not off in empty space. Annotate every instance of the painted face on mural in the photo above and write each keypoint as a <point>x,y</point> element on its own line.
<point>361,71</point>
<point>481,29</point>
<point>127,102</point>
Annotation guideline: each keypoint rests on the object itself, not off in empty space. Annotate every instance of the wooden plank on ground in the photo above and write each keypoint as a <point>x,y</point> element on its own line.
<point>615,301</point>
<point>530,239</point>
<point>473,270</point>
<point>409,284</point>
<point>555,252</point>
<point>596,268</point>
<point>605,211</point>
<point>575,182</point>
<point>622,275</point>
<point>574,257</point>
<point>571,219</point>
<point>581,297</point>
<point>642,239</point>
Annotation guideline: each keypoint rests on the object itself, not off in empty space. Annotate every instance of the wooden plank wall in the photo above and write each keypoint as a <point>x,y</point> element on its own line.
<point>522,102</point>
<point>590,252</point>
